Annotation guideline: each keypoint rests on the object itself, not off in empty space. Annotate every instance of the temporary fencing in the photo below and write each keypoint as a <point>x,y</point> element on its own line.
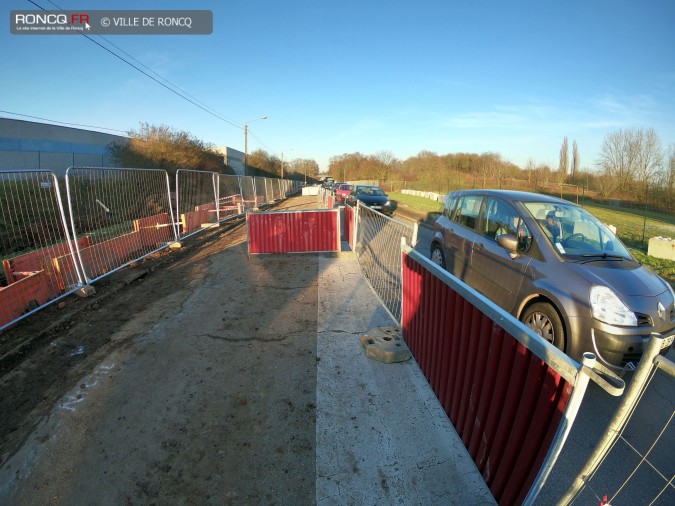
<point>196,200</point>
<point>247,186</point>
<point>293,231</point>
<point>511,396</point>
<point>114,217</point>
<point>377,247</point>
<point>644,470</point>
<point>230,197</point>
<point>125,213</point>
<point>260,191</point>
<point>33,233</point>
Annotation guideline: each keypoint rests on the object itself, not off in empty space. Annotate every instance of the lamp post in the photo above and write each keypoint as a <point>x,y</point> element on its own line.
<point>246,142</point>
<point>282,162</point>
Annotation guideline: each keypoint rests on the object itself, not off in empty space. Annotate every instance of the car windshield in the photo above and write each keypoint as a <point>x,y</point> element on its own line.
<point>576,233</point>
<point>369,190</point>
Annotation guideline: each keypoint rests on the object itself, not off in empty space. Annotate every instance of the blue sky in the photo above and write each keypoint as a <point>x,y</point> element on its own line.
<point>338,77</point>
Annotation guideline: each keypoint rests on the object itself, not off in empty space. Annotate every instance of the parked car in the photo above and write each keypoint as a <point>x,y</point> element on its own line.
<point>557,268</point>
<point>342,191</point>
<point>373,197</point>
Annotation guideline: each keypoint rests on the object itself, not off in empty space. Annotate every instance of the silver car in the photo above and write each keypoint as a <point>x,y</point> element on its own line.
<point>557,268</point>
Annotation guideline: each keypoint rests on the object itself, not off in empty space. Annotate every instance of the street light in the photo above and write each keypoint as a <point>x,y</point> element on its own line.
<point>246,142</point>
<point>282,162</point>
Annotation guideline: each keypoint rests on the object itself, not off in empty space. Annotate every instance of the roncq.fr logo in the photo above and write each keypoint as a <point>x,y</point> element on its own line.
<point>51,19</point>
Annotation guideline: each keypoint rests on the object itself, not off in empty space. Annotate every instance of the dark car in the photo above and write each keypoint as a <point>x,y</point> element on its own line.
<point>557,268</point>
<point>373,197</point>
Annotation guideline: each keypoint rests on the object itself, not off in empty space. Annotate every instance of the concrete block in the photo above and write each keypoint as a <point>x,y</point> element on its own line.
<point>661,247</point>
<point>385,344</point>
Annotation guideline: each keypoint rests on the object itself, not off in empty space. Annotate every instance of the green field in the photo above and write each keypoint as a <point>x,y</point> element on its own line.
<point>629,228</point>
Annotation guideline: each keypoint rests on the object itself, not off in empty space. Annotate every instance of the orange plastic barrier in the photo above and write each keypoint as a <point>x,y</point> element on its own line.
<point>154,230</point>
<point>23,295</point>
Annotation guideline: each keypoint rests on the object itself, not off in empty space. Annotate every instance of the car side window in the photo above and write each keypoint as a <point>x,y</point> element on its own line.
<point>466,212</point>
<point>499,218</point>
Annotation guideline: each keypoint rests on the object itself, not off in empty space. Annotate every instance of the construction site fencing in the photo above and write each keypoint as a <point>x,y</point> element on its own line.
<point>34,233</point>
<point>58,235</point>
<point>621,469</point>
<point>377,247</point>
<point>118,216</point>
<point>196,201</point>
<point>511,395</point>
<point>230,197</point>
<point>260,191</point>
<point>247,186</point>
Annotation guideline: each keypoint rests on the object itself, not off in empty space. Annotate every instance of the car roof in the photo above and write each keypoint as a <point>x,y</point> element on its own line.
<point>513,195</point>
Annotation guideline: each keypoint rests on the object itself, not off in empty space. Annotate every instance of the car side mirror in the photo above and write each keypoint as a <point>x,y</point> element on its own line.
<point>508,242</point>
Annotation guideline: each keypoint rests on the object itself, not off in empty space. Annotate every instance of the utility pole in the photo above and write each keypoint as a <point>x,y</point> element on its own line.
<point>246,143</point>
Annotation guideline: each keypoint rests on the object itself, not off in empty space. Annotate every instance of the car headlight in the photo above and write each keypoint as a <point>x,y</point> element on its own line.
<point>387,203</point>
<point>607,307</point>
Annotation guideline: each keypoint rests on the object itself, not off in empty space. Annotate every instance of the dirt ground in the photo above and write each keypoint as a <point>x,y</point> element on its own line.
<point>127,325</point>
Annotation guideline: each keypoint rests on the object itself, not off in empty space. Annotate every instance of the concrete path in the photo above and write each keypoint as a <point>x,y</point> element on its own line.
<point>248,385</point>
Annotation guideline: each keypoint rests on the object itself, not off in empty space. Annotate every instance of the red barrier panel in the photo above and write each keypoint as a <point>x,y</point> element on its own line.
<point>348,225</point>
<point>23,295</point>
<point>293,232</point>
<point>505,402</point>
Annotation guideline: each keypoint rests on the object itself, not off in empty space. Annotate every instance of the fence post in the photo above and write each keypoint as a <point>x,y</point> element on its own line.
<point>619,421</point>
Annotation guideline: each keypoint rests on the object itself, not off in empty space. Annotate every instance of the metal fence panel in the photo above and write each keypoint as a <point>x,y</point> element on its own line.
<point>125,213</point>
<point>506,390</point>
<point>247,191</point>
<point>230,199</point>
<point>293,232</point>
<point>377,248</point>
<point>33,234</point>
<point>633,462</point>
<point>196,200</point>
<point>260,191</point>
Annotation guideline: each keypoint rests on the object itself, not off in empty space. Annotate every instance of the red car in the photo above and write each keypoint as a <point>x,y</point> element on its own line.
<point>342,191</point>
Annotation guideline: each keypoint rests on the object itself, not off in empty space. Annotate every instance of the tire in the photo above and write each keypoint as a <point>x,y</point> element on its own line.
<point>545,321</point>
<point>437,256</point>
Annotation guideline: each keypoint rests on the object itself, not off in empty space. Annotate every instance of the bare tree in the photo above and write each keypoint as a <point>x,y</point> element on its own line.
<point>650,156</point>
<point>386,162</point>
<point>604,184</point>
<point>576,163</point>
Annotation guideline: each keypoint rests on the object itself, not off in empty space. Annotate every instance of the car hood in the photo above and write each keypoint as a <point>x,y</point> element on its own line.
<point>373,199</point>
<point>629,281</point>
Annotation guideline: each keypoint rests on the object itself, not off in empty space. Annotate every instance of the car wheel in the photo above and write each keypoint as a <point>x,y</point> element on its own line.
<point>437,256</point>
<point>545,321</point>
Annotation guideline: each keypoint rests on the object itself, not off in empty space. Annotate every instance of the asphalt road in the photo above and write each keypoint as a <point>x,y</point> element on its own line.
<point>646,428</point>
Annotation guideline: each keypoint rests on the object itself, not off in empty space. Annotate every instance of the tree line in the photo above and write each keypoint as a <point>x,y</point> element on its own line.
<point>632,165</point>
